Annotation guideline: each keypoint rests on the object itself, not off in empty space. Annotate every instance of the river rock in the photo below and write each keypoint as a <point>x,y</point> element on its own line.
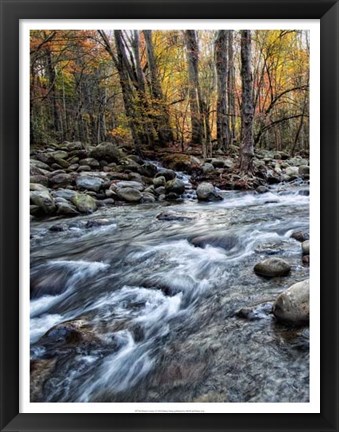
<point>61,162</point>
<point>159,181</point>
<point>108,152</point>
<point>84,203</point>
<point>37,187</point>
<point>61,180</point>
<point>306,247</point>
<point>59,154</point>
<point>66,209</point>
<point>89,183</point>
<point>304,171</point>
<point>129,194</point>
<point>167,173</point>
<point>300,236</point>
<point>148,170</point>
<point>91,162</point>
<point>272,267</point>
<point>44,201</point>
<point>225,241</point>
<point>292,171</point>
<point>84,168</point>
<point>207,168</point>
<point>41,179</point>
<point>38,164</point>
<point>148,198</point>
<point>292,306</point>
<point>128,184</point>
<point>175,186</point>
<point>262,189</point>
<point>66,194</point>
<point>207,192</point>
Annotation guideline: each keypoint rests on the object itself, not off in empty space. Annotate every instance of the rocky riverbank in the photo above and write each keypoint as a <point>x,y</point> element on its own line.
<point>71,179</point>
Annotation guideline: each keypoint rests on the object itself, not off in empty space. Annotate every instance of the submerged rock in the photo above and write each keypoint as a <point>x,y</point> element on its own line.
<point>292,306</point>
<point>272,267</point>
<point>224,241</point>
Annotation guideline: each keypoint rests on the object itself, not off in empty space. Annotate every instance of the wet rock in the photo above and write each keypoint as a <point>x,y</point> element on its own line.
<point>84,203</point>
<point>148,170</point>
<point>175,186</point>
<point>262,189</point>
<point>207,168</point>
<point>61,180</point>
<point>224,241</point>
<point>171,215</point>
<point>147,198</point>
<point>272,267</point>
<point>300,236</point>
<point>167,173</point>
<point>66,209</point>
<point>61,162</point>
<point>257,312</point>
<point>40,179</point>
<point>129,194</point>
<point>207,192</point>
<point>66,194</point>
<point>292,306</point>
<point>304,171</point>
<point>89,183</point>
<point>84,168</point>
<point>107,151</point>
<point>160,190</point>
<point>306,260</point>
<point>128,184</point>
<point>91,162</point>
<point>40,371</point>
<point>304,192</point>
<point>37,187</point>
<point>159,181</point>
<point>44,201</point>
<point>306,247</point>
<point>96,223</point>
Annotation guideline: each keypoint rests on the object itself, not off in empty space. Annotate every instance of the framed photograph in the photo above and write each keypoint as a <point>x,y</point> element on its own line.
<point>165,167</point>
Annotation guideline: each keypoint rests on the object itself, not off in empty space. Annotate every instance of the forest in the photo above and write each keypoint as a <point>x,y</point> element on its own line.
<point>169,216</point>
<point>206,90</point>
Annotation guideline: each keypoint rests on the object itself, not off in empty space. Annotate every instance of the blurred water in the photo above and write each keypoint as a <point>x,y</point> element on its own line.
<point>158,313</point>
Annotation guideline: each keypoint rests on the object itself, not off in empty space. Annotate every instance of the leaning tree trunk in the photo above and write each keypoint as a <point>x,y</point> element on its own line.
<point>163,127</point>
<point>220,48</point>
<point>247,110</point>
<point>194,88</point>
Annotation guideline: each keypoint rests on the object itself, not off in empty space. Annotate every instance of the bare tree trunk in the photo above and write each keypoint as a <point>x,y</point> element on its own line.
<point>163,127</point>
<point>220,48</point>
<point>194,88</point>
<point>231,86</point>
<point>247,110</point>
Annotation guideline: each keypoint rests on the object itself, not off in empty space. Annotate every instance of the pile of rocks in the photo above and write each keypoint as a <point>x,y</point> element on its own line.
<point>74,179</point>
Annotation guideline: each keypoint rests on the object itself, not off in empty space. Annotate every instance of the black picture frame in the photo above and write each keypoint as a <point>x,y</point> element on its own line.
<point>14,10</point>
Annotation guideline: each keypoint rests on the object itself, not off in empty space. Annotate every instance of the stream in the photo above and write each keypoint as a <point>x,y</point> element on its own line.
<point>128,307</point>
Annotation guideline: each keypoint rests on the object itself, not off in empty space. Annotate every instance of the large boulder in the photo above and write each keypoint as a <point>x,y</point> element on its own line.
<point>89,183</point>
<point>175,186</point>
<point>292,306</point>
<point>272,267</point>
<point>84,203</point>
<point>207,192</point>
<point>107,151</point>
<point>44,201</point>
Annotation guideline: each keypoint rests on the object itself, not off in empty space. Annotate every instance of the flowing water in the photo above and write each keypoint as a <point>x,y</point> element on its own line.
<point>136,309</point>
